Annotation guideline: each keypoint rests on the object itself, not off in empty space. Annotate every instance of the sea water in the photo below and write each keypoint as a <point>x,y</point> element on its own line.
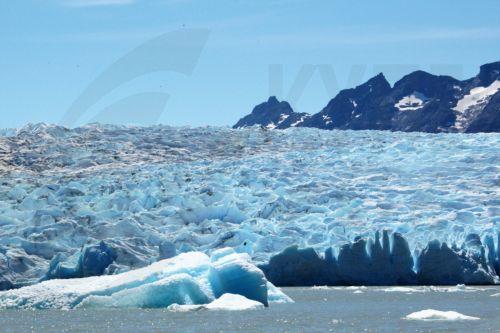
<point>317,309</point>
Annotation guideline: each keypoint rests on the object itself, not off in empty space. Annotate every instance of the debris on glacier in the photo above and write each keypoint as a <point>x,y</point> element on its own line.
<point>225,280</point>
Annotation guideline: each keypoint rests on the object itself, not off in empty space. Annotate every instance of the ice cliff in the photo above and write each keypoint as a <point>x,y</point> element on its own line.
<point>388,261</point>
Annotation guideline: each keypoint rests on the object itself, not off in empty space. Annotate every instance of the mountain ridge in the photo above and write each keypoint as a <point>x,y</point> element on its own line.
<point>418,102</point>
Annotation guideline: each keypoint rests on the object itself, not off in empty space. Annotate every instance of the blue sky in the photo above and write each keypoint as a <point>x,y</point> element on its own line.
<point>53,50</point>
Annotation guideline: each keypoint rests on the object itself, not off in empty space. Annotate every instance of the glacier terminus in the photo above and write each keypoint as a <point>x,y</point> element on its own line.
<point>308,206</point>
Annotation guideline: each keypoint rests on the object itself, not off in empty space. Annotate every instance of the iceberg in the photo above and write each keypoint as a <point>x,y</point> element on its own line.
<point>227,302</point>
<point>226,279</point>
<point>234,303</point>
<point>430,314</point>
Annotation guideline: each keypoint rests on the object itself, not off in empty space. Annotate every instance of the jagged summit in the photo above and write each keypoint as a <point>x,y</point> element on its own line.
<point>378,80</point>
<point>420,101</point>
<point>272,114</point>
<point>353,108</point>
<point>488,73</point>
<point>273,100</point>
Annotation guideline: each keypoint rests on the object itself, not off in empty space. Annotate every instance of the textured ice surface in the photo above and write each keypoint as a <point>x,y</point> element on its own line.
<point>227,280</point>
<point>431,314</point>
<point>259,191</point>
<point>388,261</point>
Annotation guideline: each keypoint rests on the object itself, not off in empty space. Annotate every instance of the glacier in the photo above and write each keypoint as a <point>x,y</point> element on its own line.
<point>387,261</point>
<point>226,280</point>
<point>105,200</point>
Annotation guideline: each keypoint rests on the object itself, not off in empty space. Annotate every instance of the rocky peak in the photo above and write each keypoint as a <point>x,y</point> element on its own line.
<point>489,73</point>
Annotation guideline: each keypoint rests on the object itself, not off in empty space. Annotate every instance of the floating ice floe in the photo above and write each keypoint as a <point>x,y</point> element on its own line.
<point>227,302</point>
<point>223,281</point>
<point>436,289</point>
<point>430,314</point>
<point>320,287</point>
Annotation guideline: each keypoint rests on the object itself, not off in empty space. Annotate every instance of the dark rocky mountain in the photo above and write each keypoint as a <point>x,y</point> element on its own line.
<point>354,108</point>
<point>420,101</point>
<point>489,119</point>
<point>272,114</point>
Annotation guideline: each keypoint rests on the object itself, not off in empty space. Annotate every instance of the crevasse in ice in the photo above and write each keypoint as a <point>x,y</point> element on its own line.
<point>106,199</point>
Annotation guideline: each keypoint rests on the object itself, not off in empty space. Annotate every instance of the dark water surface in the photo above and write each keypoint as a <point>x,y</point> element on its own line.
<point>314,310</point>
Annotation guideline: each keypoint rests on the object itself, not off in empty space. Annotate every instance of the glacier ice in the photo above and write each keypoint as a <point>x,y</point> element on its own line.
<point>150,193</point>
<point>233,302</point>
<point>92,261</point>
<point>431,314</point>
<point>190,278</point>
<point>386,262</point>
<point>227,302</point>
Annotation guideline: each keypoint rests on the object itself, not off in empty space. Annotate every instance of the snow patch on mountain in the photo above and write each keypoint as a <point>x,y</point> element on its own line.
<point>300,121</point>
<point>327,119</point>
<point>283,117</point>
<point>412,102</point>
<point>473,103</point>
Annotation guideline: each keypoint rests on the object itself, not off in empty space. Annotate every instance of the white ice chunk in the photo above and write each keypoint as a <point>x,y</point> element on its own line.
<point>276,295</point>
<point>431,314</point>
<point>227,302</point>
<point>234,302</point>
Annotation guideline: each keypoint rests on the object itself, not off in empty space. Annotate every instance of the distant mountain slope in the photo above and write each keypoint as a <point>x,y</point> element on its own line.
<point>272,114</point>
<point>357,108</point>
<point>420,101</point>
